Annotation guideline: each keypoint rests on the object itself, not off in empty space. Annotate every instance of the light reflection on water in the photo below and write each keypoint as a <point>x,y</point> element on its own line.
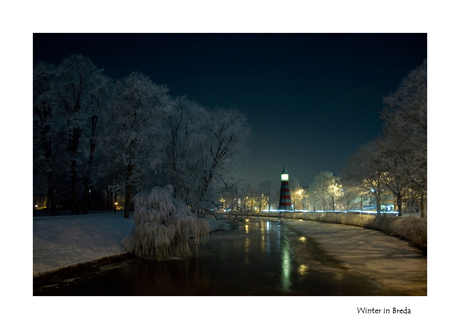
<point>286,266</point>
<point>303,269</point>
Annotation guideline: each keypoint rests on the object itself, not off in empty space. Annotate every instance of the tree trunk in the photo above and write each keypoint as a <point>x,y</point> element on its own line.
<point>73,180</point>
<point>422,205</point>
<point>73,148</point>
<point>377,201</point>
<point>92,148</point>
<point>129,187</point>
<point>85,198</point>
<point>399,203</point>
<point>127,200</point>
<point>52,201</point>
<point>109,201</point>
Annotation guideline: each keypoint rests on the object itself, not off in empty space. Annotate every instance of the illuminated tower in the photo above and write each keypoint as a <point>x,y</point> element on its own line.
<point>285,195</point>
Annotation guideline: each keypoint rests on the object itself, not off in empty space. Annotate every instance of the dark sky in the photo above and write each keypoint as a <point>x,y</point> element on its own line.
<point>311,99</point>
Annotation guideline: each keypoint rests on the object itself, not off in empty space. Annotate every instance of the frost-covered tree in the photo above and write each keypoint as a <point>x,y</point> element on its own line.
<point>202,144</point>
<point>268,190</point>
<point>325,190</point>
<point>397,160</point>
<point>47,159</point>
<point>78,96</point>
<point>365,170</point>
<point>100,96</point>
<point>351,192</point>
<point>296,197</point>
<point>226,134</point>
<point>397,171</point>
<point>133,143</point>
<point>165,226</point>
<point>185,150</point>
<point>405,135</point>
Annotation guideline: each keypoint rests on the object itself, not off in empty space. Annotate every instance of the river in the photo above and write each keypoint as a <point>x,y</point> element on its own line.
<point>254,258</point>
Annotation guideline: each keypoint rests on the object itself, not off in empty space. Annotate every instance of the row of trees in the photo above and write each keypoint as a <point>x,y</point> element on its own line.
<point>96,135</point>
<point>324,192</point>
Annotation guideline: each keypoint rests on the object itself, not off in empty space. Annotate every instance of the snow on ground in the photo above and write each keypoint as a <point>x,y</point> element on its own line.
<point>63,241</point>
<point>388,260</point>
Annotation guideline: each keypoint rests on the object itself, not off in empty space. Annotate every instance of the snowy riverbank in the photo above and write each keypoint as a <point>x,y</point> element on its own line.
<point>391,262</point>
<point>69,241</point>
<point>64,241</point>
<point>409,228</point>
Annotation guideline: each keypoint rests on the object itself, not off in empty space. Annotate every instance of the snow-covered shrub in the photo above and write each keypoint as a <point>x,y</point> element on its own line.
<point>165,226</point>
<point>411,229</point>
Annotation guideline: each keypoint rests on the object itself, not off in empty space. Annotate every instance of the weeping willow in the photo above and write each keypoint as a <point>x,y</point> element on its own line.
<point>165,227</point>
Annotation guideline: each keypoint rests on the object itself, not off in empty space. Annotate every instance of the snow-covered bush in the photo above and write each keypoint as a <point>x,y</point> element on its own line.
<point>165,226</point>
<point>410,229</point>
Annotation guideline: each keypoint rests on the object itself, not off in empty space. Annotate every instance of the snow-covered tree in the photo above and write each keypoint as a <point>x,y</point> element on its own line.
<point>397,170</point>
<point>296,197</point>
<point>397,160</point>
<point>202,144</point>
<point>405,135</point>
<point>78,95</point>
<point>165,226</point>
<point>226,134</point>
<point>268,189</point>
<point>47,159</point>
<point>325,190</point>
<point>100,95</point>
<point>185,150</point>
<point>133,143</point>
<point>365,169</point>
<point>351,192</point>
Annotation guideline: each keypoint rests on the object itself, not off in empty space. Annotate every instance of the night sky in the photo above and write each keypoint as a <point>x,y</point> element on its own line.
<point>310,99</point>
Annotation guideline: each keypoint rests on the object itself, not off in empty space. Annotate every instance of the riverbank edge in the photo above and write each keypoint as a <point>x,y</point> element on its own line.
<point>54,274</point>
<point>410,229</point>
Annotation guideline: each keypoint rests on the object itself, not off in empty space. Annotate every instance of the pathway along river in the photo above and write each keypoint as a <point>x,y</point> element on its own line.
<point>255,258</point>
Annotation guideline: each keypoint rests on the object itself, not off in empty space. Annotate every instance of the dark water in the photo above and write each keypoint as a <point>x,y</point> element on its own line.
<point>255,258</point>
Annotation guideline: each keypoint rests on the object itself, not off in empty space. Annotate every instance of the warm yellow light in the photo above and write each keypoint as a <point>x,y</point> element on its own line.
<point>303,269</point>
<point>116,203</point>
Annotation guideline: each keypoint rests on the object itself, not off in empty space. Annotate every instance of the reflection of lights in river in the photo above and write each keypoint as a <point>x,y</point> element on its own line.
<point>246,249</point>
<point>303,269</point>
<point>285,266</point>
<point>247,228</point>
<point>339,276</point>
